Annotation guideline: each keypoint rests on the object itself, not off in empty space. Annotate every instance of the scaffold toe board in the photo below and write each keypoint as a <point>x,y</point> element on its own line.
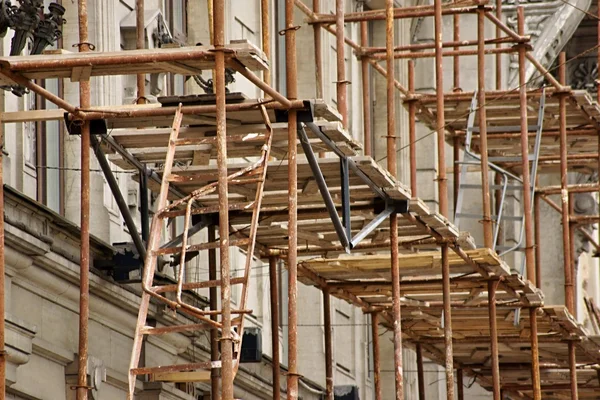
<point>179,60</point>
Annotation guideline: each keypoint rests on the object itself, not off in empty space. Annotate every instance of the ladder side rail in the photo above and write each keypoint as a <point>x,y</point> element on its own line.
<point>467,153</point>
<point>266,153</point>
<point>150,262</point>
<point>533,173</point>
<point>500,211</point>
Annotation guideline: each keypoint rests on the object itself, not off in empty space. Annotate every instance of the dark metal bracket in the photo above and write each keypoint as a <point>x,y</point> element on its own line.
<point>343,227</point>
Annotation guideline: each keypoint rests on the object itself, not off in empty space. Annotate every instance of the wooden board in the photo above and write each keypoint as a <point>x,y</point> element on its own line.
<point>183,60</point>
<point>502,113</point>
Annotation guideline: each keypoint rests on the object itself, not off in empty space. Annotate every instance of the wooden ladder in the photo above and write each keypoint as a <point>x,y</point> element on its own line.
<point>190,317</point>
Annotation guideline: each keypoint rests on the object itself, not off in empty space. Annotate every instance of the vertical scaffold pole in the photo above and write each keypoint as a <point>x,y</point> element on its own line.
<point>84,283</point>
<point>569,288</point>
<point>392,167</point>
<point>274,287</point>
<point>412,130</point>
<point>317,29</point>
<point>529,251</point>
<point>214,333</point>
<point>376,356</point>
<point>364,65</point>
<point>266,37</point>
<point>292,94</point>
<point>328,345</point>
<point>342,100</point>
<point>536,385</point>
<point>226,334</point>
<point>443,196</point>
<point>487,221</point>
<point>492,285</point>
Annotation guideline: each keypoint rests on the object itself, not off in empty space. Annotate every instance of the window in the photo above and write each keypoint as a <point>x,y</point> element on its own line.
<point>177,19</point>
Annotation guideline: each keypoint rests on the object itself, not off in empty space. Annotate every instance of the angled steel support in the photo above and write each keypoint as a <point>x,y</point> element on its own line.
<point>371,226</point>
<point>345,173</point>
<point>347,164</point>
<point>114,188</point>
<point>318,175</point>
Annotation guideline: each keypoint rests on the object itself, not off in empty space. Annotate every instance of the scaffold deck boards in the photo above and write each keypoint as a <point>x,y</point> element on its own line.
<point>182,60</point>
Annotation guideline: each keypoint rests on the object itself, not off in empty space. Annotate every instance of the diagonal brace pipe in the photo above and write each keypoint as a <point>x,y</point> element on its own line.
<point>318,175</point>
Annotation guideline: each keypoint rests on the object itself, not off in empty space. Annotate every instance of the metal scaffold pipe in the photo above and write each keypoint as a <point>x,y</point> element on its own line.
<point>443,196</point>
<point>274,289</point>
<point>84,263</point>
<point>392,167</point>
<point>292,256</point>
<point>227,374</point>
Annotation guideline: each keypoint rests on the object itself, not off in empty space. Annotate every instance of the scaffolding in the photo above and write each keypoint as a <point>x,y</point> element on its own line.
<point>452,302</point>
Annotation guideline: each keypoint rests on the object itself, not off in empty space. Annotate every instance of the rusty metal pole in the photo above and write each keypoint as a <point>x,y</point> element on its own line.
<point>569,287</point>
<point>487,221</point>
<point>538,240</point>
<point>569,297</point>
<point>376,358</point>
<point>266,38</point>
<point>274,286</point>
<point>342,100</point>
<point>449,352</point>
<point>443,196</point>
<point>573,370</point>
<point>492,285</point>
<point>529,251</point>
<point>84,263</point>
<point>140,43</point>
<point>364,62</point>
<point>226,334</point>
<point>420,372</point>
<point>318,51</point>
<point>535,356</point>
<point>412,131</point>
<point>392,168</point>
<point>328,345</point>
<point>456,59</point>
<point>214,333</point>
<point>460,384</point>
<point>2,278</point>
<point>498,45</point>
<point>292,93</point>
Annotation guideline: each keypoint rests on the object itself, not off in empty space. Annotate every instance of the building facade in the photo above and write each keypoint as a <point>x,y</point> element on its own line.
<point>42,174</point>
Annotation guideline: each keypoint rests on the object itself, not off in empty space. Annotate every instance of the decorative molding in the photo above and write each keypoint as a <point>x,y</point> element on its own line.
<point>19,338</point>
<point>550,25</point>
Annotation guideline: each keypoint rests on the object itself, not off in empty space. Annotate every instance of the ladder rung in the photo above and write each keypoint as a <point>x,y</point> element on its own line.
<point>149,330</point>
<point>173,368</point>
<point>493,217</point>
<point>510,158</point>
<point>199,247</point>
<point>207,210</point>
<point>506,129</point>
<point>196,285</point>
